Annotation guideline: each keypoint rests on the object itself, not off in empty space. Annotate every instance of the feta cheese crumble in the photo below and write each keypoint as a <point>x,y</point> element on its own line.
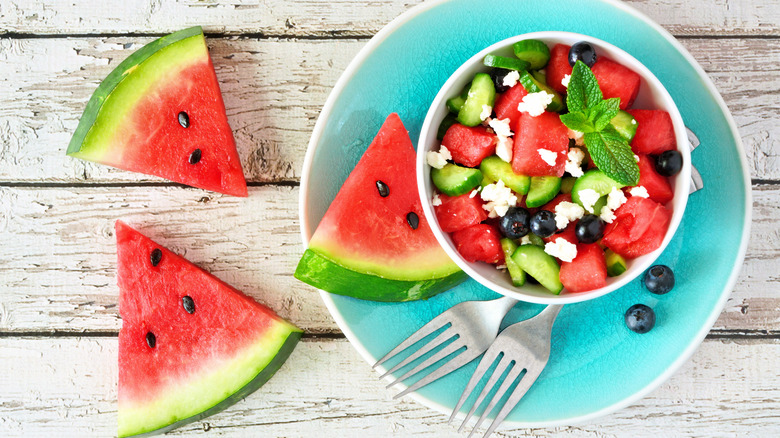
<point>588,197</point>
<point>499,198</point>
<point>566,212</point>
<point>577,136</point>
<point>504,148</point>
<point>535,103</point>
<point>565,80</point>
<point>500,127</point>
<point>574,162</point>
<point>525,240</point>
<point>561,249</point>
<point>548,156</point>
<point>511,78</point>
<point>487,110</point>
<point>639,191</point>
<point>615,199</point>
<point>439,159</point>
<point>436,201</point>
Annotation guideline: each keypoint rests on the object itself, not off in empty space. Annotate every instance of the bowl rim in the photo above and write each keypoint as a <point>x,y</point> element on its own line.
<point>430,127</point>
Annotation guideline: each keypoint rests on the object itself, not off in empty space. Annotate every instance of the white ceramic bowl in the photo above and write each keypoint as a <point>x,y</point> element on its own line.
<point>652,95</point>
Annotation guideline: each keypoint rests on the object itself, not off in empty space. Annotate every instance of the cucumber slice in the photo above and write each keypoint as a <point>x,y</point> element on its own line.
<point>482,92</point>
<point>624,124</point>
<point>598,181</point>
<point>517,274</point>
<point>616,264</point>
<point>504,62</point>
<point>534,52</point>
<point>540,265</point>
<point>542,190</point>
<point>449,120</point>
<point>566,183</point>
<point>540,76</point>
<point>454,180</point>
<point>494,169</point>
<point>454,104</point>
<point>532,85</point>
<point>535,240</point>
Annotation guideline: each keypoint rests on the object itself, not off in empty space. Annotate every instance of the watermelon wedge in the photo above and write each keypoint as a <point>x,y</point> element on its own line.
<point>377,247</point>
<point>190,345</point>
<point>160,112</point>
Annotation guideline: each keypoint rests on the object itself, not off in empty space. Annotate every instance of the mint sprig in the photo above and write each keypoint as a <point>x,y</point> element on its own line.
<point>590,114</point>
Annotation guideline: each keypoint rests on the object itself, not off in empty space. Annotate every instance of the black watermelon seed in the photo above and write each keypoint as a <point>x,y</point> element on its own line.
<point>195,156</point>
<point>188,303</point>
<point>184,120</point>
<point>413,220</point>
<point>156,256</point>
<point>383,189</point>
<point>150,339</point>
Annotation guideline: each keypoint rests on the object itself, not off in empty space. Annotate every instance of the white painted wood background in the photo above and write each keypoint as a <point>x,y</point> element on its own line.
<point>277,61</point>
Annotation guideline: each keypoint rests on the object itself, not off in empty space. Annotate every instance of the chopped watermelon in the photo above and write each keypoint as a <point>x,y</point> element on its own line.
<point>160,112</point>
<point>568,233</point>
<point>542,132</point>
<point>657,185</point>
<point>638,229</point>
<point>506,103</point>
<point>561,197</point>
<point>459,212</point>
<point>190,345</point>
<point>479,243</point>
<point>558,67</point>
<point>469,145</point>
<point>587,271</point>
<point>654,132</point>
<point>616,80</point>
<point>365,246</point>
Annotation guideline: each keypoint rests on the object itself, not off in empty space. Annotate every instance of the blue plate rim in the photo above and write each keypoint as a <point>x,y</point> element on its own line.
<point>322,122</point>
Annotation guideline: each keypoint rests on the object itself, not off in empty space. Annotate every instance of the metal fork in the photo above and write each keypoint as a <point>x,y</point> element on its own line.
<point>473,325</point>
<point>526,347</point>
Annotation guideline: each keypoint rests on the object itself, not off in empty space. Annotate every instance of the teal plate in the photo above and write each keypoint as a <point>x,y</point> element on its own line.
<point>597,365</point>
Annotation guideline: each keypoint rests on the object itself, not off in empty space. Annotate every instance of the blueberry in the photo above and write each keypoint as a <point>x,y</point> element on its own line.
<point>640,318</point>
<point>515,223</point>
<point>543,223</point>
<point>669,163</point>
<point>584,52</point>
<point>659,279</point>
<point>589,229</point>
<point>498,75</point>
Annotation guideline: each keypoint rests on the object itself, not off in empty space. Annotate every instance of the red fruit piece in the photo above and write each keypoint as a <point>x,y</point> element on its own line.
<point>459,212</point>
<point>657,185</point>
<point>562,197</point>
<point>479,243</point>
<point>587,271</point>
<point>469,145</point>
<point>639,227</point>
<point>616,80</point>
<point>568,234</point>
<point>506,104</point>
<point>558,67</point>
<point>542,132</point>
<point>654,132</point>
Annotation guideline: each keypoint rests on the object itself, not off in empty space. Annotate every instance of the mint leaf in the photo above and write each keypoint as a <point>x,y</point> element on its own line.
<point>603,112</point>
<point>613,156</point>
<point>583,91</point>
<point>577,122</point>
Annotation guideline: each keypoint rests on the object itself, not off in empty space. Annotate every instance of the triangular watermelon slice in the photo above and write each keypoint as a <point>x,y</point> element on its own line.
<point>190,345</point>
<point>160,112</point>
<point>374,242</point>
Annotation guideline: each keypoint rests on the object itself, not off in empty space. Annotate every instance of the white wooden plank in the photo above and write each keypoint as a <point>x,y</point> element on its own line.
<point>327,18</point>
<point>57,267</point>
<point>67,387</point>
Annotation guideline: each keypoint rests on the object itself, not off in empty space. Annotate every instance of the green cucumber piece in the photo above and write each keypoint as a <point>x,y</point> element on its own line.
<point>454,104</point>
<point>540,76</point>
<point>504,62</point>
<point>542,190</point>
<point>517,274</point>
<point>532,85</point>
<point>449,120</point>
<point>567,183</point>
<point>494,168</point>
<point>539,265</point>
<point>535,240</point>
<point>482,92</point>
<point>616,264</point>
<point>535,52</point>
<point>454,180</point>
<point>624,124</point>
<point>598,181</point>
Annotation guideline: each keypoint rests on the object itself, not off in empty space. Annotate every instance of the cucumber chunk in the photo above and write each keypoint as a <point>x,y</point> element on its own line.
<point>535,240</point>
<point>616,264</point>
<point>454,104</point>
<point>517,274</point>
<point>598,181</point>
<point>625,125</point>
<point>567,183</point>
<point>449,120</point>
<point>532,85</point>
<point>494,169</point>
<point>504,62</point>
<point>540,76</point>
<point>482,92</point>
<point>540,265</point>
<point>454,180</point>
<point>542,190</point>
<point>535,52</point>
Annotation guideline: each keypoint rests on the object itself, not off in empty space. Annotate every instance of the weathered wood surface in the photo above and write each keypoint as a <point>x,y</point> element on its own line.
<point>313,395</point>
<point>58,262</point>
<point>273,92</point>
<point>332,18</point>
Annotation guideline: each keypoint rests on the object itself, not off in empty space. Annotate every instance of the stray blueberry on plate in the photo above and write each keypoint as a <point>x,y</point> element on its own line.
<point>669,163</point>
<point>582,51</point>
<point>515,223</point>
<point>640,318</point>
<point>589,229</point>
<point>543,223</point>
<point>659,279</point>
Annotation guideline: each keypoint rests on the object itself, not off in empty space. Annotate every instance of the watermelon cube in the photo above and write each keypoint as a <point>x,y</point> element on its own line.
<point>469,145</point>
<point>617,80</point>
<point>654,132</point>
<point>506,103</point>
<point>638,229</point>
<point>567,234</point>
<point>542,132</point>
<point>657,185</point>
<point>459,212</point>
<point>558,67</point>
<point>479,243</point>
<point>587,271</point>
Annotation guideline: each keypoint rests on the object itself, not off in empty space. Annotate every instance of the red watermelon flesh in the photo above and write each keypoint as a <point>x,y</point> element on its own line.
<point>542,132</point>
<point>654,132</point>
<point>616,80</point>
<point>657,185</point>
<point>638,229</point>
<point>200,362</point>
<point>587,271</point>
<point>479,243</point>
<point>469,145</point>
<point>558,67</point>
<point>506,103</point>
<point>459,212</point>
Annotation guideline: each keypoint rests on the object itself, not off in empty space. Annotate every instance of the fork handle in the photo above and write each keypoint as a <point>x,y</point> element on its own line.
<point>503,305</point>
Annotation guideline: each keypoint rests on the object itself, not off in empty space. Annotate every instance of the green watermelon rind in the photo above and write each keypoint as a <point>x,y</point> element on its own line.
<point>104,90</point>
<point>319,271</point>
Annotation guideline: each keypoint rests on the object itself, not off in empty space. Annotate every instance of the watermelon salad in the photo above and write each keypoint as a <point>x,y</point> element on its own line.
<point>547,171</point>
